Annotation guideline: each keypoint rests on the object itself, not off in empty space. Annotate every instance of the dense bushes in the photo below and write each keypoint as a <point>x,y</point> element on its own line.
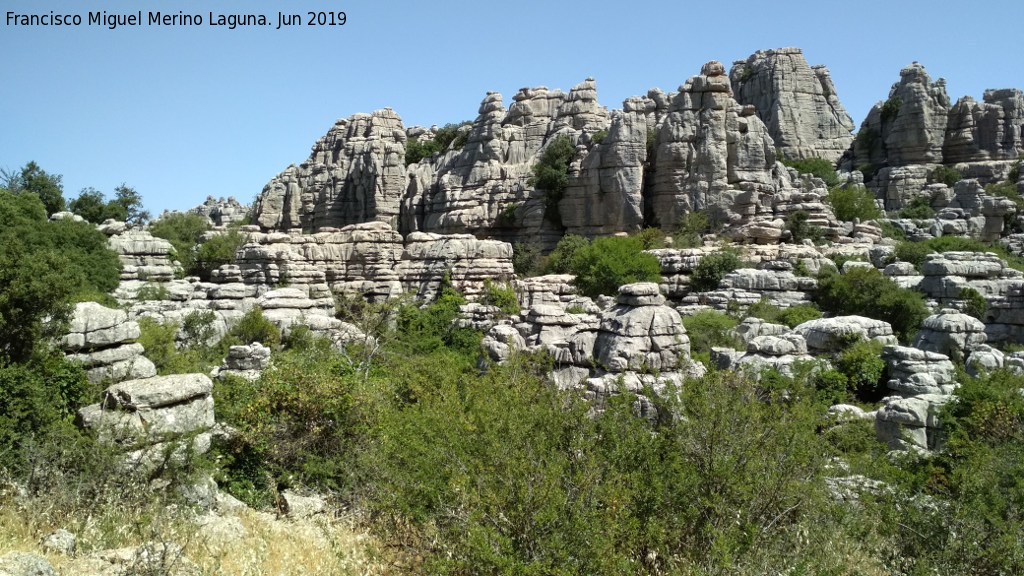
<point>865,292</point>
<point>707,329</point>
<point>818,167</point>
<point>183,231</point>
<point>416,149</point>
<point>853,202</point>
<point>551,173</point>
<point>712,268</point>
<point>919,209</point>
<point>605,264</point>
<point>218,251</point>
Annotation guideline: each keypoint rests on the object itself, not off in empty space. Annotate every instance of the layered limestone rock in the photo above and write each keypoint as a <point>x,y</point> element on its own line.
<point>710,151</point>
<point>767,346</point>
<point>247,361</point>
<point>748,286</point>
<point>142,412</point>
<point>103,341</point>
<point>143,256</point>
<point>923,382</point>
<point>356,173</point>
<point>829,335</point>
<point>946,275</point>
<point>797,103</point>
<point>987,130</point>
<point>950,332</point>
<point>221,212</point>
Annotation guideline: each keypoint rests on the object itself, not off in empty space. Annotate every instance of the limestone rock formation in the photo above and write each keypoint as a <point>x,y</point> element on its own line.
<point>102,340</point>
<point>797,103</point>
<point>951,333</point>
<point>923,382</point>
<point>356,173</point>
<point>987,130</point>
<point>826,335</point>
<point>221,212</point>
<point>246,361</point>
<point>152,409</point>
<point>143,256</point>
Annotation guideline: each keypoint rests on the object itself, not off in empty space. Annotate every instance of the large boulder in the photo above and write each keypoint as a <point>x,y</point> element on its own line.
<point>102,340</point>
<point>828,335</point>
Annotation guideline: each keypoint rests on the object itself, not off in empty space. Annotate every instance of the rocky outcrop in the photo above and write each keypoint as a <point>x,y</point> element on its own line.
<point>797,103</point>
<point>748,286</point>
<point>143,412</point>
<point>356,173</point>
<point>922,382</point>
<point>951,333</point>
<point>247,361</point>
<point>221,212</point>
<point>103,341</point>
<point>829,335</point>
<point>987,130</point>
<point>143,256</point>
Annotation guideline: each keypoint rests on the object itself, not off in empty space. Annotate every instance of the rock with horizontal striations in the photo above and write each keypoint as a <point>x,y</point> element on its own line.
<point>828,335</point>
<point>951,333</point>
<point>984,359</point>
<point>102,340</point>
<point>143,256</point>
<point>797,103</point>
<point>911,423</point>
<point>641,337</point>
<point>913,372</point>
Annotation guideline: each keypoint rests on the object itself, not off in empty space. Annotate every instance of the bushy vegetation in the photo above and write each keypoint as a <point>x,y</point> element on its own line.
<point>853,202</point>
<point>689,233</point>
<point>217,251</point>
<point>865,292</point>
<point>915,252</point>
<point>708,329</point>
<point>891,108</point>
<point>183,231</point>
<point>712,268</point>
<point>819,167</point>
<point>800,230</point>
<point>504,297</point>
<point>551,173</point>
<point>791,317</point>
<point>126,206</point>
<point>919,208</point>
<point>605,264</point>
<point>946,175</point>
<point>416,149</point>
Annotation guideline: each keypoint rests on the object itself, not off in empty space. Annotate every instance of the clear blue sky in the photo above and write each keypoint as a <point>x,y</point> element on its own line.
<point>185,112</point>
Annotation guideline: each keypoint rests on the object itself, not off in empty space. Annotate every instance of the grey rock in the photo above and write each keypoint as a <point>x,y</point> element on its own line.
<point>826,335</point>
<point>60,541</point>
<point>797,102</point>
<point>297,506</point>
<point>984,359</point>
<point>23,564</point>
<point>951,333</point>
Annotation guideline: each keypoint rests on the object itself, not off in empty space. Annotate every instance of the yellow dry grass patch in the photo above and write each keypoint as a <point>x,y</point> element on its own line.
<point>270,545</point>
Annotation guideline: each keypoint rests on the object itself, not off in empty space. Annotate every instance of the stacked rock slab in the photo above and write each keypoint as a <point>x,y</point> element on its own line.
<point>947,274</point>
<point>748,286</point>
<point>951,333</point>
<point>797,102</point>
<point>356,173</point>
<point>221,212</point>
<point>153,408</point>
<point>922,383</point>
<point>143,256</point>
<point>247,361</point>
<point>103,341</point>
<point>831,335</point>
<point>709,151</point>
<point>767,346</point>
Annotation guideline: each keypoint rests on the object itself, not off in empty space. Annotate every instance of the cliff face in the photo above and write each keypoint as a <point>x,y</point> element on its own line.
<point>711,146</point>
<point>797,102</point>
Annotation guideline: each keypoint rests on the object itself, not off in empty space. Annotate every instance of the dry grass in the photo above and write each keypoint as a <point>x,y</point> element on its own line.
<point>264,545</point>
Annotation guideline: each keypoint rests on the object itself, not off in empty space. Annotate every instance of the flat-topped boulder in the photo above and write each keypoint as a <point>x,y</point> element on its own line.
<point>827,335</point>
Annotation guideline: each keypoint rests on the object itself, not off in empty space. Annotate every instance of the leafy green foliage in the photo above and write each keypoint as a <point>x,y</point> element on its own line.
<point>974,303</point>
<point>792,316</point>
<point>797,225</point>
<point>853,202</point>
<point>183,231</point>
<point>946,175</point>
<point>253,327</point>
<point>218,251</point>
<point>551,173</point>
<point>891,108</point>
<point>692,226</point>
<point>503,297</point>
<point>527,258</point>
<point>891,231</point>
<point>599,137</point>
<point>153,291</point>
<point>608,263</point>
<point>560,260</point>
<point>862,365</point>
<point>819,167</point>
<point>707,329</point>
<point>865,292</point>
<point>919,208</point>
<point>712,268</point>
<point>422,329</point>
<point>416,150</point>
<point>43,267</point>
<point>34,180</point>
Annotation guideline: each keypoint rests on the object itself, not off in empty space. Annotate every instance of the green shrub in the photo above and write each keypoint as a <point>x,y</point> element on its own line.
<point>946,175</point>
<point>551,173</point>
<point>427,328</point>
<point>254,328</point>
<point>183,231</point>
<point>915,252</point>
<point>863,367</point>
<point>159,342</point>
<point>708,329</point>
<point>764,310</point>
<point>819,167</point>
<point>197,327</point>
<point>527,258</point>
<point>692,226</point>
<point>832,387</point>
<point>503,297</point>
<point>652,144</point>
<point>219,250</point>
<point>974,303</point>
<point>651,238</point>
<point>599,137</point>
<point>797,315</point>
<point>797,225</point>
<point>560,260</point>
<point>891,108</point>
<point>608,263</point>
<point>416,150</point>
<point>712,268</point>
<point>918,209</point>
<point>853,202</point>
<point>152,291</point>
<point>1007,190</point>
<point>891,231</point>
<point>865,292</point>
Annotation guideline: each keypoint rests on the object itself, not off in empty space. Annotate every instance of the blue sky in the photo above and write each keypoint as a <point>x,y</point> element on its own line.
<point>185,112</point>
